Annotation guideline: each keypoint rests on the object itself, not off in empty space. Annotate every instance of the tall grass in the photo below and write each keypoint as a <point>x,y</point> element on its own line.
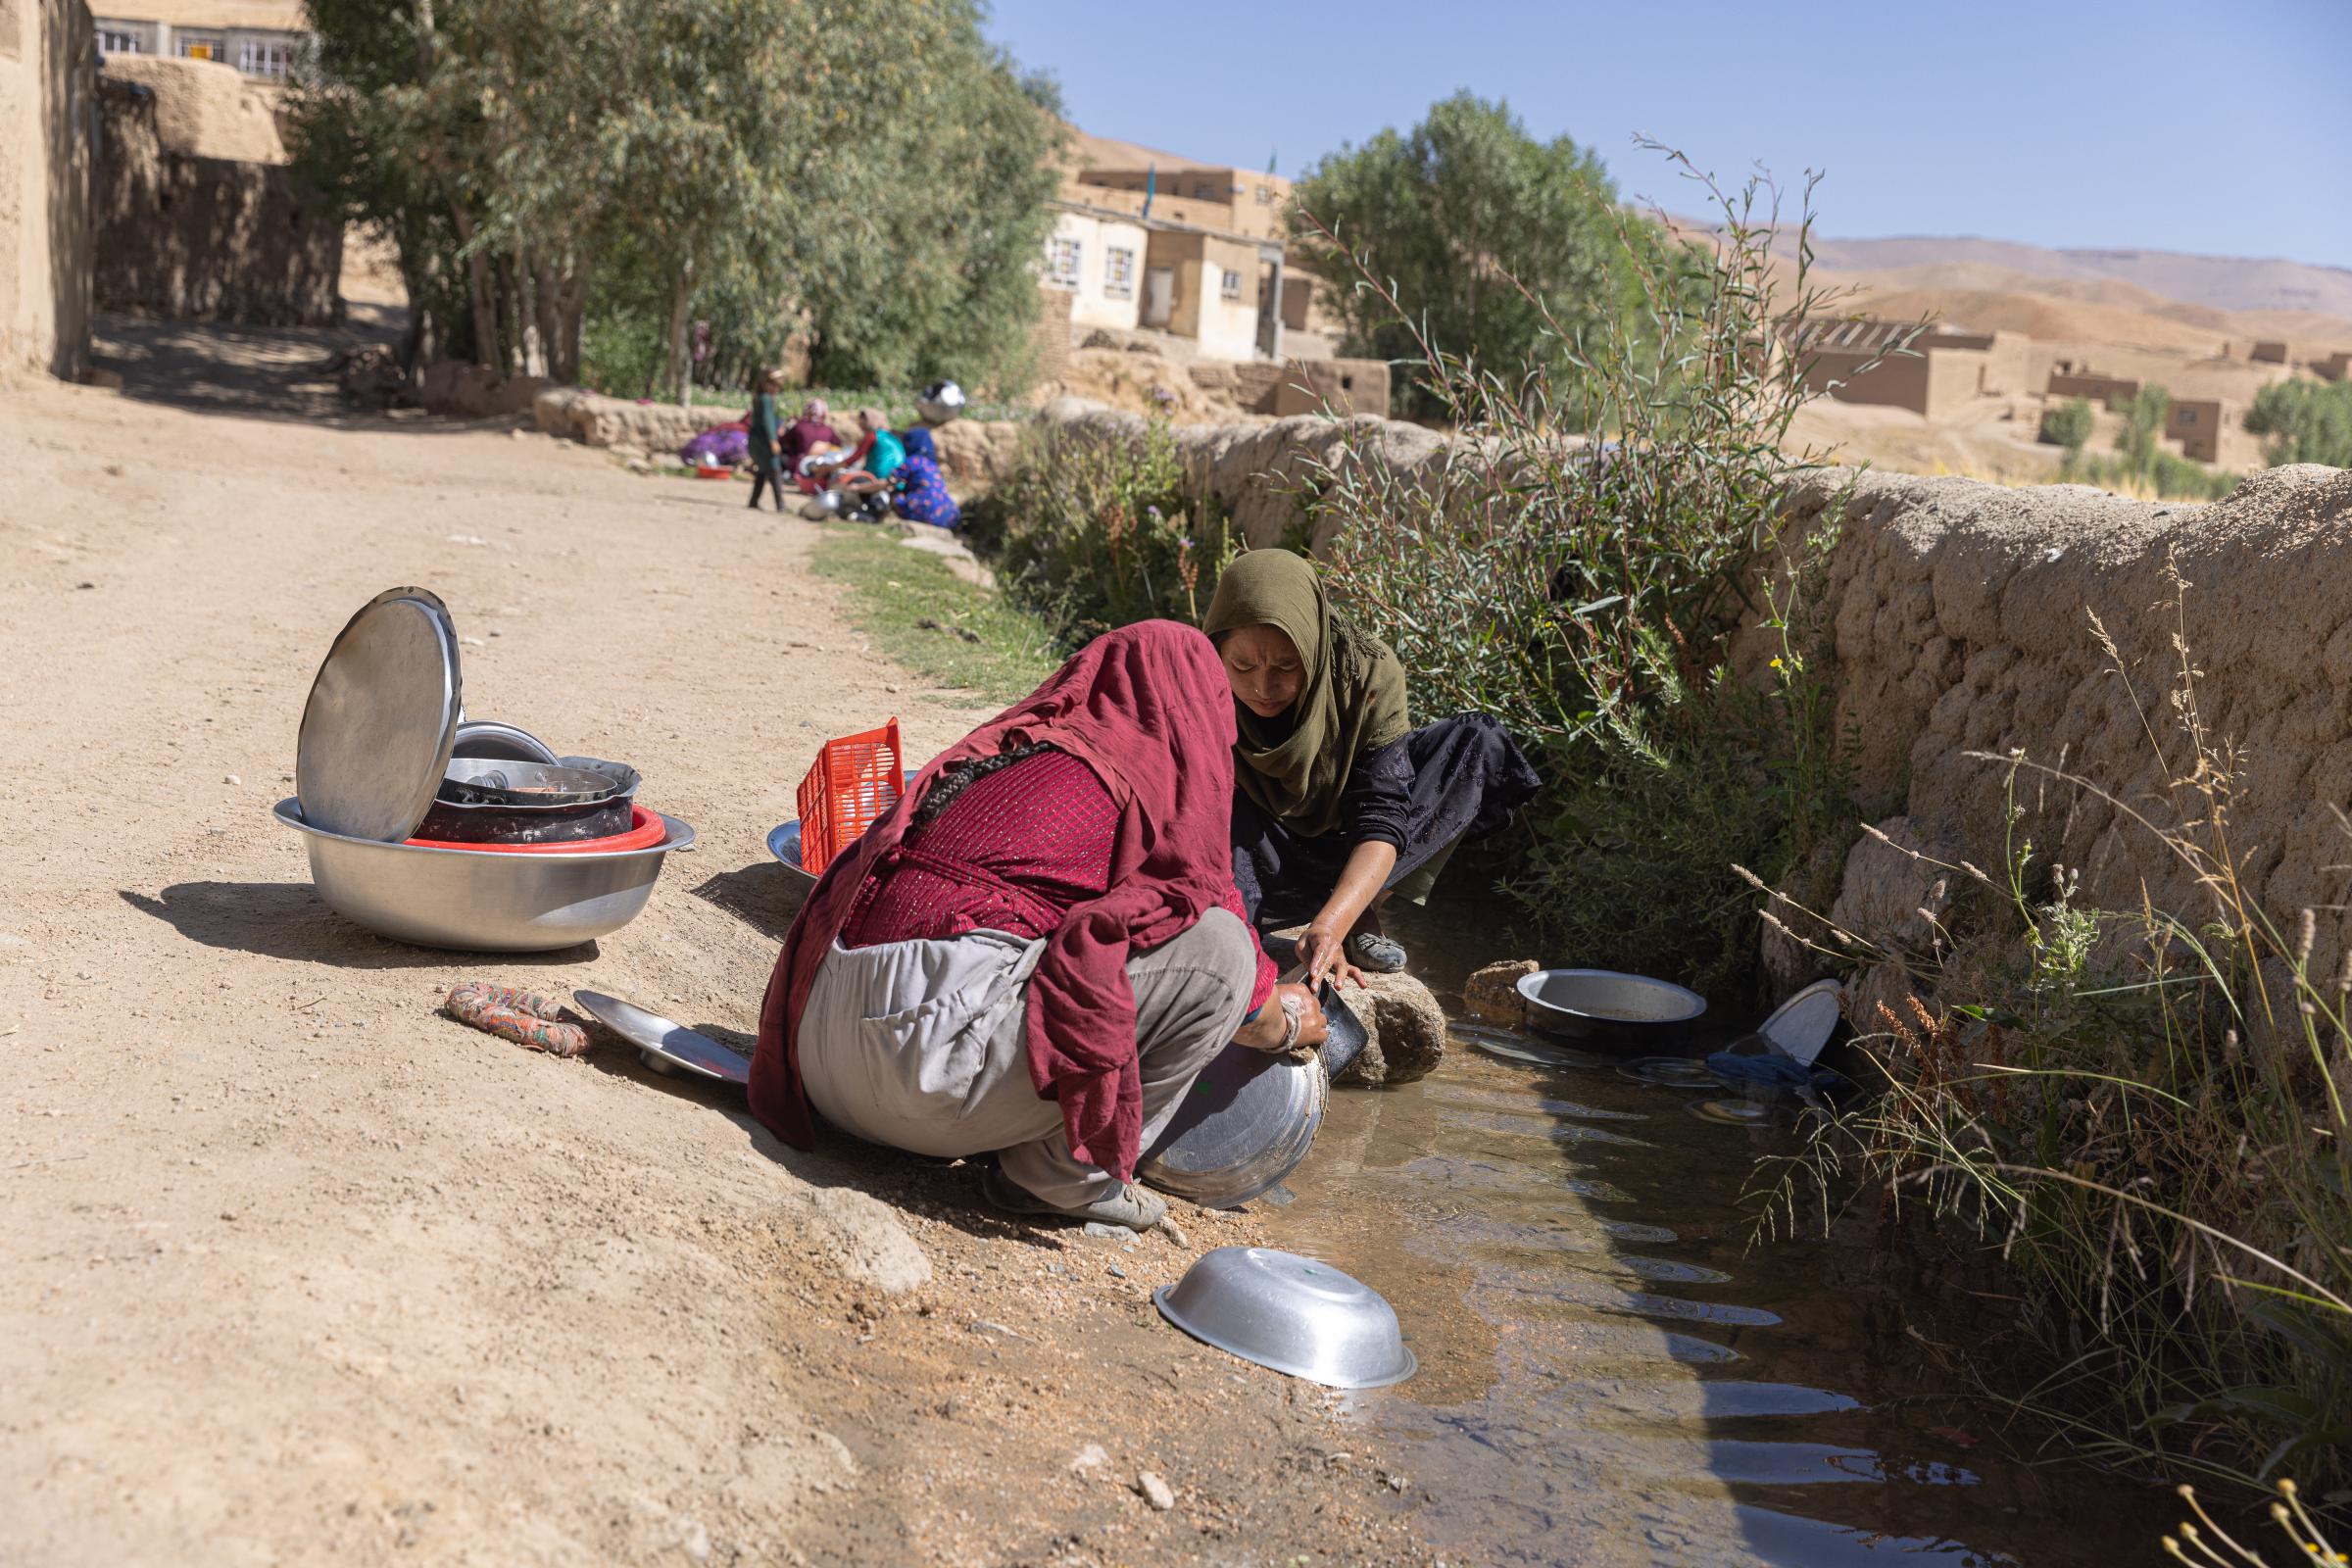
<point>2143,1110</point>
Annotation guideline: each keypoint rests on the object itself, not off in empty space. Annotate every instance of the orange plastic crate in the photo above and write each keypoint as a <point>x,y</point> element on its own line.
<point>854,780</point>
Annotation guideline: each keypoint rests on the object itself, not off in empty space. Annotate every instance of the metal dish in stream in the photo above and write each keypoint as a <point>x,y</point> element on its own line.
<point>1294,1314</point>
<point>1513,1048</point>
<point>1670,1072</point>
<point>479,901</point>
<point>1609,1010</point>
<point>670,1049</point>
<point>1731,1113</point>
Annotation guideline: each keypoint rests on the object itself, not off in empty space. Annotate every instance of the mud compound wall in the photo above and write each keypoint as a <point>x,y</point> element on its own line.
<point>191,237</point>
<point>1961,615</point>
<point>48,141</point>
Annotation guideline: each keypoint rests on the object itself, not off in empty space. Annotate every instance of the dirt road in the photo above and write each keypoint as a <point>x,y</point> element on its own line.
<point>293,1269</point>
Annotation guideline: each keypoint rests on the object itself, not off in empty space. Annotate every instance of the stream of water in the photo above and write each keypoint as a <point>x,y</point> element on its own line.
<point>1611,1373</point>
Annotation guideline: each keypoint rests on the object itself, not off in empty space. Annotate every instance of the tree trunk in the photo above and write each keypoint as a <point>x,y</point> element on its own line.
<point>679,371</point>
<point>486,352</point>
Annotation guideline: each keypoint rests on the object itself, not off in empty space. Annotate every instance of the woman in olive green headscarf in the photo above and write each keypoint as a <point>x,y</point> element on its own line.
<point>1339,803</point>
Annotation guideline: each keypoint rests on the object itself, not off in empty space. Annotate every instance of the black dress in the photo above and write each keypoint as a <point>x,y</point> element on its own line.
<point>1456,778</point>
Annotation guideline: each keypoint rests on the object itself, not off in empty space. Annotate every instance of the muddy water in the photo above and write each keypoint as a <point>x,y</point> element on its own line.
<point>1611,1373</point>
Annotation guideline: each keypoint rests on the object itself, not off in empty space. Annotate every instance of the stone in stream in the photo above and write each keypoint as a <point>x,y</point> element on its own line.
<point>1492,993</point>
<point>1406,1029</point>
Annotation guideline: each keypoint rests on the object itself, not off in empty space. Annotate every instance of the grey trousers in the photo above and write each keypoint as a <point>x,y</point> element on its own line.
<point>922,1046</point>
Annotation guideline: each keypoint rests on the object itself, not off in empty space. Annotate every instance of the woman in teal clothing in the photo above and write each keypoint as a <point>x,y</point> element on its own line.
<point>768,466</point>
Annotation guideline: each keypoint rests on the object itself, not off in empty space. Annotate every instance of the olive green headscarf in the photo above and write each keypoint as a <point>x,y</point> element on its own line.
<point>1351,700</point>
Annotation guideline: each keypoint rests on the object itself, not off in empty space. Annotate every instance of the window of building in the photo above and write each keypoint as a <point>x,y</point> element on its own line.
<point>2189,415</point>
<point>1231,289</point>
<point>1118,272</point>
<point>1203,191</point>
<point>1062,257</point>
<point>1265,195</point>
<point>260,58</point>
<point>199,47</point>
<point>116,41</point>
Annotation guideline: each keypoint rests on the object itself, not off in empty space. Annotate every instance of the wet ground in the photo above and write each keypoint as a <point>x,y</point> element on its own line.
<point>1612,1372</point>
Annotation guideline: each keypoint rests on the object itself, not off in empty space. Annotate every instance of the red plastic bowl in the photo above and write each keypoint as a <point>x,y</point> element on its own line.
<point>646,829</point>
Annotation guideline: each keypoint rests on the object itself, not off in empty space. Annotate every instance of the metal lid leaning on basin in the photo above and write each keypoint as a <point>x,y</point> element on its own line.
<point>381,719</point>
<point>1291,1313</point>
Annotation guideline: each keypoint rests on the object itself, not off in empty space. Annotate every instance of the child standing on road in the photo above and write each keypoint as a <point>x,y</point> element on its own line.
<point>767,466</point>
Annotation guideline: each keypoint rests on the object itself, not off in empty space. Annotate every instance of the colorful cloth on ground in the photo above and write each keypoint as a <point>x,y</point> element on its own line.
<point>922,494</point>
<point>1349,704</point>
<point>1014,852</point>
<point>1147,709</point>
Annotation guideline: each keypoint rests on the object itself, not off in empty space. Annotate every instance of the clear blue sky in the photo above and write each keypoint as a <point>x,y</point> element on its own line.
<point>2218,126</point>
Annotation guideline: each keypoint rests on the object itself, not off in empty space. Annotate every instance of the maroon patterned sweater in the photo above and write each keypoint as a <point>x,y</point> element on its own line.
<point>1014,852</point>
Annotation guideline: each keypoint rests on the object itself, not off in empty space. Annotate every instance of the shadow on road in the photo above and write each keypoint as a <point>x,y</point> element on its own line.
<point>289,920</point>
<point>253,372</point>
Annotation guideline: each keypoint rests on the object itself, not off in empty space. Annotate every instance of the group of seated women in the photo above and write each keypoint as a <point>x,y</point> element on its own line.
<point>883,472</point>
<point>1056,928</point>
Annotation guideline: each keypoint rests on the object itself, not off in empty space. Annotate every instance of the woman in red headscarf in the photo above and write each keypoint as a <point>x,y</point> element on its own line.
<point>1036,950</point>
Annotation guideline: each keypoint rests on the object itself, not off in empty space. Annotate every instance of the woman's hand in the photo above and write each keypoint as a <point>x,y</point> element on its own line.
<point>1325,954</point>
<point>1267,1030</point>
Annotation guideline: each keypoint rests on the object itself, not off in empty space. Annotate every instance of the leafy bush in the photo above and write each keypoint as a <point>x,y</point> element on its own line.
<point>2308,421</point>
<point>1588,593</point>
<point>2147,1111</point>
<point>2068,425</point>
<point>1093,531</point>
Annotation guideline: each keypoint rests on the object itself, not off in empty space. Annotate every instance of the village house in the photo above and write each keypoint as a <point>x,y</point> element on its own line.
<point>1931,371</point>
<point>262,38</point>
<point>1194,253</point>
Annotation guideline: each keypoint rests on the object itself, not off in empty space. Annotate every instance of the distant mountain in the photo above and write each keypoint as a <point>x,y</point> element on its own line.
<point>2222,283</point>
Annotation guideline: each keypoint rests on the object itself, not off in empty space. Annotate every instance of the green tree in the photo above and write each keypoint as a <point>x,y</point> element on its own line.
<point>875,171</point>
<point>2144,419</point>
<point>2068,424</point>
<point>2307,421</point>
<point>1457,216</point>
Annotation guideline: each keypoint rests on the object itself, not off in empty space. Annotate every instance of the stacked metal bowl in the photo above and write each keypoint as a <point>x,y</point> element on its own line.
<point>504,847</point>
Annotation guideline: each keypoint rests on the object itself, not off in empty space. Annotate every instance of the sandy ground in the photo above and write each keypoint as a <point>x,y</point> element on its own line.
<point>294,1269</point>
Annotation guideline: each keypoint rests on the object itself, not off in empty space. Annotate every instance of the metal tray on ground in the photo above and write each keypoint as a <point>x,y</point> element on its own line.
<point>668,1048</point>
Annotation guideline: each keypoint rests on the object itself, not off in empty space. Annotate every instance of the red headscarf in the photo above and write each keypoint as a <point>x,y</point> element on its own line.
<point>1148,708</point>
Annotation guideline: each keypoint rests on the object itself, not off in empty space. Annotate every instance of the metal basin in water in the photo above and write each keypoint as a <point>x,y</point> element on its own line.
<point>477,900</point>
<point>1604,1007</point>
<point>1291,1313</point>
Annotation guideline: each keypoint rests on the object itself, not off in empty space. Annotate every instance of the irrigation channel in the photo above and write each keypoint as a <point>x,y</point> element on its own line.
<point>1611,1372</point>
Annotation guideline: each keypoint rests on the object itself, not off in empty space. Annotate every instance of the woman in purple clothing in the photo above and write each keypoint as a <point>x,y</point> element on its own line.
<point>919,493</point>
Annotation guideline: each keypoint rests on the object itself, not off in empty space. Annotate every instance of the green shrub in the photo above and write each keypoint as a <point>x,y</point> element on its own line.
<point>1093,530</point>
<point>2068,425</point>
<point>2307,421</point>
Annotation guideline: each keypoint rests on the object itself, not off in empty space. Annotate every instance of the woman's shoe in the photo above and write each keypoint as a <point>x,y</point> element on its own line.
<point>1128,1204</point>
<point>1369,950</point>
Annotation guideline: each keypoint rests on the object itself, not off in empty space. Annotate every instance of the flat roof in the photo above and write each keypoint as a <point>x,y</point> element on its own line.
<point>280,16</point>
